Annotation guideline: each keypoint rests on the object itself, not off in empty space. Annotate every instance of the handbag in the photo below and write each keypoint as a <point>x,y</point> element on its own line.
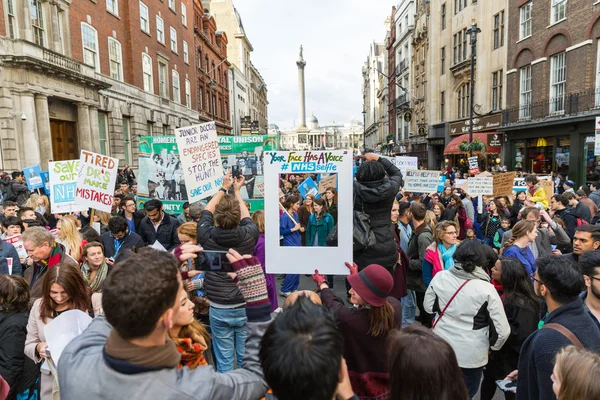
<point>362,233</point>
<point>332,237</point>
<point>447,304</point>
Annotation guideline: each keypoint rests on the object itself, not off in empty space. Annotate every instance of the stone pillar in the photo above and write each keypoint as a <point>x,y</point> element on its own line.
<point>301,93</point>
<point>83,127</point>
<point>94,129</point>
<point>25,23</point>
<point>31,149</point>
<point>56,44</point>
<point>43,125</point>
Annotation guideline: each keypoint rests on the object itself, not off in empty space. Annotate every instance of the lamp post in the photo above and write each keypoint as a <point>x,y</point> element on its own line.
<point>364,113</point>
<point>472,31</point>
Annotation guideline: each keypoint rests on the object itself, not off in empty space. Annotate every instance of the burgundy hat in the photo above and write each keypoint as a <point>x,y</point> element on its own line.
<point>373,284</point>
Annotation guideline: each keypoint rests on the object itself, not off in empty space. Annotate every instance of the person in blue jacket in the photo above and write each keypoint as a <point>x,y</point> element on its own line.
<point>290,229</point>
<point>320,223</point>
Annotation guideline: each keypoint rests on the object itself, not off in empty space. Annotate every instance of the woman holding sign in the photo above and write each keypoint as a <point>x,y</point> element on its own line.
<point>290,229</point>
<point>320,223</point>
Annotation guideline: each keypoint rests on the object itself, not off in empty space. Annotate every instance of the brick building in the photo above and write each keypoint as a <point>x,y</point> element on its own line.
<point>212,70</point>
<point>93,75</point>
<point>553,82</point>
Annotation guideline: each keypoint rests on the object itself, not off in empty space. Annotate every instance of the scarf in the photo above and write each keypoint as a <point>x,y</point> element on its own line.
<point>192,351</point>
<point>56,255</point>
<point>460,273</point>
<point>164,356</point>
<point>447,255</point>
<point>96,283</point>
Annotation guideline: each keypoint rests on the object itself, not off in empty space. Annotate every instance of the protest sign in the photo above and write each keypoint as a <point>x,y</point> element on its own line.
<point>247,153</point>
<point>405,163</point>
<point>201,160</point>
<point>160,174</point>
<point>421,181</point>
<point>308,186</point>
<point>329,181</point>
<point>63,185</point>
<point>503,184</point>
<point>33,176</point>
<point>548,184</point>
<point>46,180</point>
<point>461,184</point>
<point>442,183</point>
<point>96,181</point>
<point>296,259</point>
<point>481,186</point>
<point>17,241</point>
<point>473,163</point>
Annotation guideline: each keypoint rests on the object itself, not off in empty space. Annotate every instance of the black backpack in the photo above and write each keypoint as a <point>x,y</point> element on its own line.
<point>7,192</point>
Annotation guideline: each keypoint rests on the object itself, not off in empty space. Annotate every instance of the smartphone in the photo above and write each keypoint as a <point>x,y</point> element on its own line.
<point>47,352</point>
<point>210,260</point>
<point>235,171</point>
<point>507,385</point>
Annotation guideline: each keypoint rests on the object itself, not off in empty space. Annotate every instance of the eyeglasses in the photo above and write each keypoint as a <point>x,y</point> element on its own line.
<point>537,280</point>
<point>452,233</point>
<point>594,278</point>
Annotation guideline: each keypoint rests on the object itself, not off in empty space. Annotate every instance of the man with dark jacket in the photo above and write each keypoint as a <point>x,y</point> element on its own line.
<point>578,207</point>
<point>226,224</point>
<point>158,225</point>
<point>558,204</point>
<point>19,188</point>
<point>595,193</point>
<point>119,238</point>
<point>559,283</point>
<point>134,217</point>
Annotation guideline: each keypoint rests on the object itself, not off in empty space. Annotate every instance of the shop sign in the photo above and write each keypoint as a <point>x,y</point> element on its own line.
<point>437,142</point>
<point>495,139</point>
<point>486,123</point>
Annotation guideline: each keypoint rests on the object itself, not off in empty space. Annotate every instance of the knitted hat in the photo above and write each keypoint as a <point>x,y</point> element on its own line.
<point>373,284</point>
<point>570,183</point>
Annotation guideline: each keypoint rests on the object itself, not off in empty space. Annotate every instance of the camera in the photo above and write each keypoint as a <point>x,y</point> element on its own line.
<point>235,171</point>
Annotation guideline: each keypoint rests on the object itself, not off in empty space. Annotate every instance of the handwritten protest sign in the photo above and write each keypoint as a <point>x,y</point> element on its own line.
<point>201,159</point>
<point>33,176</point>
<point>503,184</point>
<point>63,177</point>
<point>96,181</point>
<point>473,162</point>
<point>329,181</point>
<point>462,184</point>
<point>308,186</point>
<point>548,184</point>
<point>481,186</point>
<point>421,181</point>
<point>405,163</point>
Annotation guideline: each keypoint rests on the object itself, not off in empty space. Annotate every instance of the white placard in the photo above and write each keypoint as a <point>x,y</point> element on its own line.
<point>96,181</point>
<point>63,185</point>
<point>597,137</point>
<point>421,181</point>
<point>405,163</point>
<point>201,160</point>
<point>483,186</point>
<point>304,260</point>
<point>473,162</point>
<point>61,330</point>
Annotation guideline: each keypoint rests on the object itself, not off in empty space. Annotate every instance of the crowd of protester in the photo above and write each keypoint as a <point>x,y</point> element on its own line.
<point>452,299</point>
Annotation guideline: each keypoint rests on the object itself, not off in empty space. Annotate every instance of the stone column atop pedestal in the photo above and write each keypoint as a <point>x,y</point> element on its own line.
<point>301,94</point>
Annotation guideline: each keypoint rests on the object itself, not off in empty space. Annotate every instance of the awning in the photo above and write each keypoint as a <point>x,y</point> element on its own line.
<point>452,147</point>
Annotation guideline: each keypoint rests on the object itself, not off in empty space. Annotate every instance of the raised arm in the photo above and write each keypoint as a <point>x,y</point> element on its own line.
<point>237,185</point>
<point>212,204</point>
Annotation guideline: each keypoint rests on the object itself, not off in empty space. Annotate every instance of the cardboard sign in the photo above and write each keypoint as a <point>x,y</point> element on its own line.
<point>548,184</point>
<point>33,176</point>
<point>46,180</point>
<point>462,184</point>
<point>17,241</point>
<point>405,163</point>
<point>96,181</point>
<point>63,185</point>
<point>503,184</point>
<point>329,181</point>
<point>293,260</point>
<point>308,186</point>
<point>473,162</point>
<point>201,160</point>
<point>421,181</point>
<point>480,186</point>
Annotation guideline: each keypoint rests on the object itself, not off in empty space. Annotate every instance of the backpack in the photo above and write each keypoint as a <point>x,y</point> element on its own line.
<point>7,193</point>
<point>581,221</point>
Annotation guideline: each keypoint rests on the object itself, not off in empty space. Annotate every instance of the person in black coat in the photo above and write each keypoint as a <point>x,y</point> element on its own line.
<point>377,183</point>
<point>119,238</point>
<point>18,370</point>
<point>158,225</point>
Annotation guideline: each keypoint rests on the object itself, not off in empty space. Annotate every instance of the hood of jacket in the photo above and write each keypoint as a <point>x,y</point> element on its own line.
<point>371,192</point>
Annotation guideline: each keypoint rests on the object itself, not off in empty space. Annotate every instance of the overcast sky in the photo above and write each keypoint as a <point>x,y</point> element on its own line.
<point>335,34</point>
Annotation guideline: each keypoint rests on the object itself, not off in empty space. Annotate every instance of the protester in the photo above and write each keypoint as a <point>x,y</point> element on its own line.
<point>470,317</point>
<point>259,252</point>
<point>558,205</point>
<point>438,210</point>
<point>403,222</point>
<point>446,195</point>
<point>568,186</point>
<point>68,236</point>
<point>134,217</point>
<point>42,207</point>
<point>575,374</point>
<point>9,209</point>
<point>290,229</point>
<point>366,326</point>
<point>185,215</point>
<point>119,238</point>
<point>523,234</point>
<point>456,212</point>
<point>558,282</point>
<point>439,254</point>
<point>102,218</point>
<point>158,226</point>
<point>582,197</point>
<point>522,309</point>
<point>226,224</point>
<point>90,234</point>
<point>399,291</point>
<point>196,211</point>
<point>304,213</point>
<point>504,227</point>
<point>43,254</point>
<point>9,252</point>
<point>331,201</point>
<point>489,220</point>
<point>18,191</point>
<point>63,288</point>
<point>589,265</point>
<point>536,193</point>
<point>19,371</point>
<point>133,353</point>
<point>95,269</point>
<point>595,193</point>
<point>518,205</point>
<point>423,366</point>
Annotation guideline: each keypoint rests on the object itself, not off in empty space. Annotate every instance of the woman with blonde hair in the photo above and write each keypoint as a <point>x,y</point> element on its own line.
<point>431,219</point>
<point>523,233</point>
<point>68,236</point>
<point>103,218</point>
<point>439,254</point>
<point>438,209</point>
<point>575,374</point>
<point>42,206</point>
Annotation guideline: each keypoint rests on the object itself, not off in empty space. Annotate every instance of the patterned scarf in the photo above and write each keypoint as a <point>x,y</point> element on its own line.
<point>56,255</point>
<point>192,351</point>
<point>96,283</point>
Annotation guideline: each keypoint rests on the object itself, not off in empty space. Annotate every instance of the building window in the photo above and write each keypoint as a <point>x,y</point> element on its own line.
<point>459,5</point>
<point>163,77</point>
<point>176,91</point>
<point>497,80</point>
<point>36,14</point>
<point>144,20</point>
<point>160,30</point>
<point>186,56</point>
<point>183,14</point>
<point>559,11</point>
<point>12,27</point>
<point>460,46</point>
<point>499,30</point>
<point>525,12</point>
<point>127,140</point>
<point>173,40</point>
<point>147,71</point>
<point>150,128</point>
<point>442,106</point>
<point>172,4</point>
<point>443,60</point>
<point>103,133</point>
<point>558,78</point>
<point>464,100</point>
<point>443,16</point>
<point>112,6</point>
<point>115,59</point>
<point>89,38</point>
<point>188,94</point>
<point>200,97</point>
<point>525,93</point>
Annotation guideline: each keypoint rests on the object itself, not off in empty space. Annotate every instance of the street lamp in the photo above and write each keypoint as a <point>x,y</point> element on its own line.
<point>472,31</point>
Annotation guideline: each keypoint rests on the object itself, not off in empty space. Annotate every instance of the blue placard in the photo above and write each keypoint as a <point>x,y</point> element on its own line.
<point>441,183</point>
<point>308,186</point>
<point>33,176</point>
<point>46,180</point>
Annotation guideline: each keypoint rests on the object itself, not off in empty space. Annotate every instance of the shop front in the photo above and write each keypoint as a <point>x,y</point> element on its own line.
<point>436,142</point>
